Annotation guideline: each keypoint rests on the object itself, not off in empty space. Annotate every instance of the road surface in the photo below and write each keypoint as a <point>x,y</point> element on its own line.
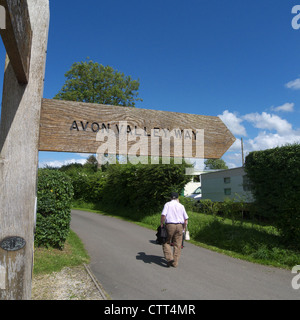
<point>130,266</point>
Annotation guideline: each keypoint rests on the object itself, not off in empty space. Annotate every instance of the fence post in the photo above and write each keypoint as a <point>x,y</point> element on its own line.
<point>19,135</point>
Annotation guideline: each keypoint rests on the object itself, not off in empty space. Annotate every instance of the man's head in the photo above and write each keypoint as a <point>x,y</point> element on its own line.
<point>174,195</point>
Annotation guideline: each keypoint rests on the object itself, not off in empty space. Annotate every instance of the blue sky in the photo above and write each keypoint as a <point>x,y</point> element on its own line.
<point>235,59</point>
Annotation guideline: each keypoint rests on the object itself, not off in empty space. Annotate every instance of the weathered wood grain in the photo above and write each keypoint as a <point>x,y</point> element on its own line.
<point>17,37</point>
<point>72,127</point>
<point>19,133</point>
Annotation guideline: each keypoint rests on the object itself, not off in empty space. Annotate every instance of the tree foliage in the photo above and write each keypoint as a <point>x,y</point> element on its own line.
<point>275,182</point>
<point>140,187</point>
<point>144,187</point>
<point>215,164</point>
<point>91,82</point>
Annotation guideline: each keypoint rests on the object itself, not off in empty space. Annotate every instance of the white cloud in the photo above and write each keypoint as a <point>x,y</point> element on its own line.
<point>234,160</point>
<point>84,155</point>
<point>237,145</point>
<point>295,84</point>
<point>58,164</point>
<point>287,107</point>
<point>273,132</point>
<point>269,122</point>
<point>266,140</point>
<point>233,122</point>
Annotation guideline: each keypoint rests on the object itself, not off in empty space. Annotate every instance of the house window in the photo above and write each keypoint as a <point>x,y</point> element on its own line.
<point>227,180</point>
<point>227,192</point>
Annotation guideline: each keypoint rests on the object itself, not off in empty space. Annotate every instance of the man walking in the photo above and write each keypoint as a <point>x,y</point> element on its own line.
<point>175,218</point>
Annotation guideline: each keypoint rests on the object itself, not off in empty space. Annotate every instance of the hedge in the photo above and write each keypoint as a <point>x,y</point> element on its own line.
<point>275,182</point>
<point>55,195</point>
<point>142,187</point>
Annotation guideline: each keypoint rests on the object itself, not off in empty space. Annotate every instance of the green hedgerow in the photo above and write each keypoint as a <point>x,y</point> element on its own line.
<point>55,194</point>
<point>275,181</point>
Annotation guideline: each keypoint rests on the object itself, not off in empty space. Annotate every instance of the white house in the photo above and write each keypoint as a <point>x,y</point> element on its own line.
<point>193,184</point>
<point>229,183</point>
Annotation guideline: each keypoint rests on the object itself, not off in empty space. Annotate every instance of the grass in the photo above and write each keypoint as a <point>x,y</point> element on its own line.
<point>248,241</point>
<point>244,240</point>
<point>54,260</point>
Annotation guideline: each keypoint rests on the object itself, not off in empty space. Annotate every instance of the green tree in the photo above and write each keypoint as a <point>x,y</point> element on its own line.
<point>91,82</point>
<point>91,163</point>
<point>215,164</point>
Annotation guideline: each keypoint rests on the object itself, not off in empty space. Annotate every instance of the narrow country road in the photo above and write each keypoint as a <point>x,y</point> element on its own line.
<point>130,266</point>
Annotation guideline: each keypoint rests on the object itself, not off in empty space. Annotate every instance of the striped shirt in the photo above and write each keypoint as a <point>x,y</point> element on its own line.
<point>174,212</point>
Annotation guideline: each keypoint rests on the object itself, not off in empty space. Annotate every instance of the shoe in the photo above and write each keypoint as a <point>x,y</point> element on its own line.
<point>170,263</point>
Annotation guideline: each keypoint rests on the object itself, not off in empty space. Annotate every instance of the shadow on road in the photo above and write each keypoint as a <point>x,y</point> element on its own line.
<point>152,259</point>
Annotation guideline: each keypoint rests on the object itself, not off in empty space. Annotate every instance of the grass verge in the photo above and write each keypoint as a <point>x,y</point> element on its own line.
<point>243,240</point>
<point>54,260</point>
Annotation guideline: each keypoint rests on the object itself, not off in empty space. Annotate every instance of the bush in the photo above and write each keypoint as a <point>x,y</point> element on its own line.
<point>143,187</point>
<point>55,194</point>
<point>87,182</point>
<point>189,204</point>
<point>275,181</point>
<point>88,186</point>
<point>210,207</point>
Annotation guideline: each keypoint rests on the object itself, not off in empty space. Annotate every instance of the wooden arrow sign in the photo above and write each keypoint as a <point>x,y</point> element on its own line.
<point>17,37</point>
<point>92,128</point>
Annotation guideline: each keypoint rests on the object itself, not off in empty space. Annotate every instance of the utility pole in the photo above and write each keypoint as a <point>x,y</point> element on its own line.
<point>243,159</point>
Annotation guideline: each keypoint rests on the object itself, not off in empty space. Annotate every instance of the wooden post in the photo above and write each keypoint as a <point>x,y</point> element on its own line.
<point>17,37</point>
<point>19,135</point>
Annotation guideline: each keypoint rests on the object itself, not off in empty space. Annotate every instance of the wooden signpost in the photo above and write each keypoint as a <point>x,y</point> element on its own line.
<point>17,37</point>
<point>19,135</point>
<point>30,123</point>
<point>73,127</point>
